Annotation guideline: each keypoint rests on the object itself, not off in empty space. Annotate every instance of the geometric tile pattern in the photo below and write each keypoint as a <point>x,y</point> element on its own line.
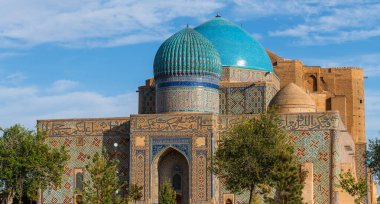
<point>360,160</point>
<point>140,164</point>
<point>270,92</point>
<point>310,146</point>
<point>83,140</point>
<point>314,136</point>
<point>201,175</point>
<point>315,147</point>
<point>241,100</point>
<point>187,99</point>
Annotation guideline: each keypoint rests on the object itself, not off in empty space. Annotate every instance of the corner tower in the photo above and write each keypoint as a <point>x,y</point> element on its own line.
<point>187,69</point>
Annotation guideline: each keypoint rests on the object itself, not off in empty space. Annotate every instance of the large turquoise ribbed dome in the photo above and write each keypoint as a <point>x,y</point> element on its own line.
<point>187,53</point>
<point>236,47</point>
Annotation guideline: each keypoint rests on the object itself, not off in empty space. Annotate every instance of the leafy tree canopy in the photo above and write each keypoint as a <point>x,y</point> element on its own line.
<point>103,185</point>
<point>373,157</point>
<point>27,163</point>
<point>251,154</point>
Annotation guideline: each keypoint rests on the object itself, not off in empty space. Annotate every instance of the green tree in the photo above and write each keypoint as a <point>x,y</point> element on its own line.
<point>357,189</point>
<point>288,180</point>
<point>135,192</point>
<point>167,194</point>
<point>103,185</point>
<point>249,152</point>
<point>27,163</point>
<point>373,157</point>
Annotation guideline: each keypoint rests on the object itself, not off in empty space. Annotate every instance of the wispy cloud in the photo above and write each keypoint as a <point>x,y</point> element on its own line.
<point>15,78</point>
<point>108,23</point>
<point>27,104</point>
<point>93,22</point>
<point>63,85</point>
<point>336,22</point>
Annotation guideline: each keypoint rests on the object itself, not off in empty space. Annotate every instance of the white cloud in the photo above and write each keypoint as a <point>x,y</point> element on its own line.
<point>259,8</point>
<point>63,85</point>
<point>339,22</point>
<point>93,22</point>
<point>15,78</point>
<point>257,36</point>
<point>27,104</point>
<point>108,23</point>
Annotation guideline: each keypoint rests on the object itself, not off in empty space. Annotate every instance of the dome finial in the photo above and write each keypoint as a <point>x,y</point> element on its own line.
<point>218,15</point>
<point>187,25</point>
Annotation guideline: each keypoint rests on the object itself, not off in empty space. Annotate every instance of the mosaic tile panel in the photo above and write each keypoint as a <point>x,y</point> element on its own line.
<point>291,122</point>
<point>315,147</point>
<point>310,146</point>
<point>201,175</point>
<point>140,169</point>
<point>361,170</point>
<point>270,92</point>
<point>316,139</point>
<point>254,100</point>
<point>172,123</point>
<point>241,100</point>
<point>183,145</point>
<point>79,158</point>
<point>187,99</point>
<point>82,139</point>
<point>223,101</point>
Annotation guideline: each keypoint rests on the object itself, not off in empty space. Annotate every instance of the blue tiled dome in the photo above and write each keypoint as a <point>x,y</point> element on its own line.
<point>236,47</point>
<point>187,53</point>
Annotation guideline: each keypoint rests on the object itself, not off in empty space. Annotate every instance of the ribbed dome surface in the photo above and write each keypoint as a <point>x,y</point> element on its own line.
<point>236,47</point>
<point>292,99</point>
<point>187,53</point>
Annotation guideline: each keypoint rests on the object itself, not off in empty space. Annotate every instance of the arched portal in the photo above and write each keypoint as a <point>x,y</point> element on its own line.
<point>173,166</point>
<point>311,84</point>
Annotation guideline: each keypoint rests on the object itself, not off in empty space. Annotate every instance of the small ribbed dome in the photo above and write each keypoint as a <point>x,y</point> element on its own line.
<point>236,47</point>
<point>292,99</point>
<point>187,53</point>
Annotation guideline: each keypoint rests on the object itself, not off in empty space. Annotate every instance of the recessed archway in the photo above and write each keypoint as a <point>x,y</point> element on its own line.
<point>173,166</point>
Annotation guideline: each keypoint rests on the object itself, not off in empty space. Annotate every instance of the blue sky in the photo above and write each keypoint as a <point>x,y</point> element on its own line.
<point>86,58</point>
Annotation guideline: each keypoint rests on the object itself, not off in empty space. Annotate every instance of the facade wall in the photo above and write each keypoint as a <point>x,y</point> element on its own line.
<point>344,92</point>
<point>315,137</point>
<point>194,136</point>
<point>241,91</point>
<point>190,134</point>
<point>82,138</point>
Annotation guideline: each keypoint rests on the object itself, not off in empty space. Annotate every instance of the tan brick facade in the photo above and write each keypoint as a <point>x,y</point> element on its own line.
<point>338,89</point>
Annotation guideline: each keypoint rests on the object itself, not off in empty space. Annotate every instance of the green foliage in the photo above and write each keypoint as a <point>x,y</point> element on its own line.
<point>103,185</point>
<point>135,192</point>
<point>373,157</point>
<point>27,164</point>
<point>249,155</point>
<point>357,189</point>
<point>167,194</point>
<point>288,180</point>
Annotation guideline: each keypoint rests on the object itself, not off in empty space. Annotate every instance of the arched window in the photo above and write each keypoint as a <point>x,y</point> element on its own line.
<point>177,182</point>
<point>228,201</point>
